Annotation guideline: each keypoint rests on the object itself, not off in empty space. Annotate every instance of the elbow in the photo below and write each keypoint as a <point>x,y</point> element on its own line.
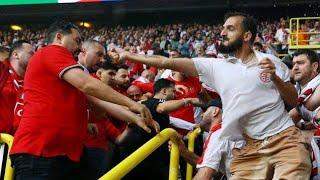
<point>161,109</point>
<point>86,88</point>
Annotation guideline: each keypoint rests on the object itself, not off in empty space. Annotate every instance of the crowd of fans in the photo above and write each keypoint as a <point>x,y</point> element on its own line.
<point>172,97</point>
<point>189,40</point>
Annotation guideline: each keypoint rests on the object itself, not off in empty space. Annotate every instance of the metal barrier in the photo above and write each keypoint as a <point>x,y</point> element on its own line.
<point>297,37</point>
<point>191,139</point>
<point>7,139</point>
<point>144,151</point>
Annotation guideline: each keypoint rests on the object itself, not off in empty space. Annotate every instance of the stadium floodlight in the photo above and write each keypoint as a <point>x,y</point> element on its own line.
<point>85,24</point>
<point>16,28</point>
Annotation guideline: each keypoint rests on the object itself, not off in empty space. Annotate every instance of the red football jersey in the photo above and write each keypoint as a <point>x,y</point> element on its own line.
<point>54,121</point>
<point>11,90</point>
<point>186,113</point>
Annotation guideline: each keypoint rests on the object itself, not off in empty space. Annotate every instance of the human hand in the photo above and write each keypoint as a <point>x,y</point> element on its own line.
<point>268,67</point>
<point>181,89</point>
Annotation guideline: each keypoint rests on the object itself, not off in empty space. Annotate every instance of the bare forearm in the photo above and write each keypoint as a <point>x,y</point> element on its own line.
<point>184,65</point>
<point>114,110</point>
<point>172,105</point>
<point>93,87</point>
<point>106,93</point>
<point>190,157</point>
<point>157,61</point>
<point>287,92</point>
<point>119,112</point>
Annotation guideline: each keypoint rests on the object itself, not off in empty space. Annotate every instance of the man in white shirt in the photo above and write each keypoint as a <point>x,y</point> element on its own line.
<point>253,87</point>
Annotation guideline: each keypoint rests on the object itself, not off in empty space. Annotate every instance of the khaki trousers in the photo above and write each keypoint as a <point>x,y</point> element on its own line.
<point>281,156</point>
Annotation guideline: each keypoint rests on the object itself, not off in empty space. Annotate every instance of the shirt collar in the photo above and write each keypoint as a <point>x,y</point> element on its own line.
<point>232,59</point>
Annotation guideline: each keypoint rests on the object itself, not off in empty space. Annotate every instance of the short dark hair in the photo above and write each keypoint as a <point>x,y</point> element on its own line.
<point>161,84</point>
<point>62,27</point>
<point>248,24</point>
<point>311,55</point>
<point>106,65</point>
<point>16,46</point>
<point>122,66</point>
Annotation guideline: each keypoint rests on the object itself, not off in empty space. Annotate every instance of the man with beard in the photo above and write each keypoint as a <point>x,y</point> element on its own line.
<point>122,80</point>
<point>50,137</point>
<point>11,82</point>
<point>253,87</point>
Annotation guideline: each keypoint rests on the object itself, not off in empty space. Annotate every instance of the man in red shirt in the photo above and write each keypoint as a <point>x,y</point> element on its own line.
<point>12,84</point>
<point>49,140</point>
<point>92,53</point>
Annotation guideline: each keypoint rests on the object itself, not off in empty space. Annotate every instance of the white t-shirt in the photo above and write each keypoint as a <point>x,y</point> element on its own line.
<point>251,102</point>
<point>218,153</point>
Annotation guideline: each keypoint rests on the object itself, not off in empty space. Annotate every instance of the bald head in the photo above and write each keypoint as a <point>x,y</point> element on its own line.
<point>134,93</point>
<point>90,44</point>
<point>92,52</point>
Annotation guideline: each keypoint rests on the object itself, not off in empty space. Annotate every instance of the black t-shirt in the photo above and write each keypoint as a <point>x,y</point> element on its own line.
<point>136,137</point>
<point>162,119</point>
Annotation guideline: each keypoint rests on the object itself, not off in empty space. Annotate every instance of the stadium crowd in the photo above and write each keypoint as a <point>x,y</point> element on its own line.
<point>78,101</point>
<point>189,40</point>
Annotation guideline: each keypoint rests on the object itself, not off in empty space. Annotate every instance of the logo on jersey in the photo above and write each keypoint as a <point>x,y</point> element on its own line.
<point>264,77</point>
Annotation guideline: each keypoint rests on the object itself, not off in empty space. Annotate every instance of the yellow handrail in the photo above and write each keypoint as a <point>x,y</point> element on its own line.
<point>125,166</point>
<point>191,140</point>
<point>295,32</point>
<point>8,139</point>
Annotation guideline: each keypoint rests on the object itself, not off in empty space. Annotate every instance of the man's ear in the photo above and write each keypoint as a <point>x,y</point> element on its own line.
<point>99,72</point>
<point>247,36</point>
<point>15,54</point>
<point>315,67</point>
<point>59,37</point>
<point>164,91</point>
<point>215,112</point>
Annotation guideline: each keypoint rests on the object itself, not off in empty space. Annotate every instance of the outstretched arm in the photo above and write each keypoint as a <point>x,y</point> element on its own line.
<point>172,105</point>
<point>93,87</point>
<point>184,65</point>
<point>121,113</point>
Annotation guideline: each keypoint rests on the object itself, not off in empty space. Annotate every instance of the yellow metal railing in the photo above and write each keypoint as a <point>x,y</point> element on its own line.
<point>299,39</point>
<point>8,139</point>
<point>143,152</point>
<point>191,139</point>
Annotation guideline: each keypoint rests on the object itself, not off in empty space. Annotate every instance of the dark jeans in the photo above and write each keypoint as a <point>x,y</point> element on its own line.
<point>29,167</point>
<point>94,163</point>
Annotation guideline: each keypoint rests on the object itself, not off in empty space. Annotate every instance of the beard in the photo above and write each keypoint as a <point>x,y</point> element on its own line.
<point>231,47</point>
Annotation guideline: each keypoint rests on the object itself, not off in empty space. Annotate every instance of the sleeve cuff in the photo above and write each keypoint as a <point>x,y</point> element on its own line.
<point>63,71</point>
